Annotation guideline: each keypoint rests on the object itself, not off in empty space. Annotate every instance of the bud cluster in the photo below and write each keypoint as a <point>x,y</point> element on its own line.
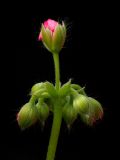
<point>73,99</point>
<point>79,104</point>
<point>36,109</point>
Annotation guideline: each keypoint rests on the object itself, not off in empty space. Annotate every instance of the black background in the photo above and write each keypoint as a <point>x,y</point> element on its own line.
<point>88,58</point>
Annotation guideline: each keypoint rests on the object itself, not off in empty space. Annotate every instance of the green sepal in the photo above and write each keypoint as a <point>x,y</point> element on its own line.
<point>58,39</point>
<point>47,38</point>
<point>78,88</point>
<point>65,89</point>
<point>64,29</point>
<point>51,89</point>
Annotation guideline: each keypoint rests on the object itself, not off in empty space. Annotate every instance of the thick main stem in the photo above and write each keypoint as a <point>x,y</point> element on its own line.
<point>57,119</point>
<point>57,70</point>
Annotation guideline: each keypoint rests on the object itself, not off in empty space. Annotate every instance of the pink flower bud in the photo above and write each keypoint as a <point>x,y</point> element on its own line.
<point>53,35</point>
<point>51,25</point>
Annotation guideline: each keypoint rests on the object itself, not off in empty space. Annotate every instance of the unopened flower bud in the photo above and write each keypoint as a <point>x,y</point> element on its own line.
<point>98,110</point>
<point>42,111</point>
<point>37,87</point>
<point>69,114</point>
<point>89,109</point>
<point>53,35</point>
<point>80,103</point>
<point>95,112</point>
<point>26,116</point>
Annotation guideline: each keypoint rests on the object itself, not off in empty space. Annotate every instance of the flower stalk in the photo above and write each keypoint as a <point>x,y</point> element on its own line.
<point>57,70</point>
<point>57,115</point>
<point>57,119</point>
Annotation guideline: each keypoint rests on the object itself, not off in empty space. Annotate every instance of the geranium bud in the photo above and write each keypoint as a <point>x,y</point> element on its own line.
<point>42,111</point>
<point>69,114</point>
<point>26,116</point>
<point>89,109</point>
<point>37,87</point>
<point>95,112</point>
<point>81,104</point>
<point>98,110</point>
<point>53,35</point>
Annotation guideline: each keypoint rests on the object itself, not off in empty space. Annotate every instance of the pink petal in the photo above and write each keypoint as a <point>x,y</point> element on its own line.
<point>50,24</point>
<point>40,36</point>
<point>17,116</point>
<point>46,24</point>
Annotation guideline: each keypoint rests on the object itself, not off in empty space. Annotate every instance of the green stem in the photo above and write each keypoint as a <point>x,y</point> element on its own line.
<point>57,119</point>
<point>57,114</point>
<point>57,70</point>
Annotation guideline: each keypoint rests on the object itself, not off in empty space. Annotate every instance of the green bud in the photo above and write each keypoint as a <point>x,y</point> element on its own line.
<point>37,87</point>
<point>81,104</point>
<point>53,39</point>
<point>94,113</point>
<point>89,109</point>
<point>69,114</point>
<point>42,111</point>
<point>97,108</point>
<point>26,116</point>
